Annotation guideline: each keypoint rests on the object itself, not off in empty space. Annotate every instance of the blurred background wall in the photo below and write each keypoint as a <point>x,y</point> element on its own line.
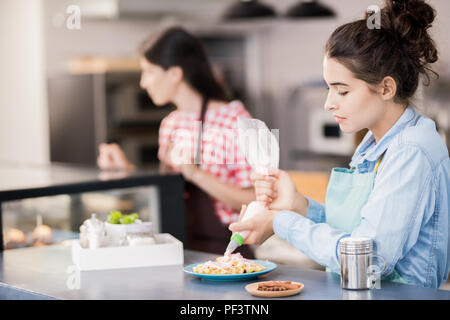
<point>23,106</point>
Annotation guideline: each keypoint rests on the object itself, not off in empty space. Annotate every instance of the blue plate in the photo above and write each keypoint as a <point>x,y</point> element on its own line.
<point>270,266</point>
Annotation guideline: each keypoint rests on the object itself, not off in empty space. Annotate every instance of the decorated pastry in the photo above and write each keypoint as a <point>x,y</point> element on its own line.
<point>229,264</point>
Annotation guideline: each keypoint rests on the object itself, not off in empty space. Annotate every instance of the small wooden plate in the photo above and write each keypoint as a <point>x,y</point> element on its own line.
<point>252,288</point>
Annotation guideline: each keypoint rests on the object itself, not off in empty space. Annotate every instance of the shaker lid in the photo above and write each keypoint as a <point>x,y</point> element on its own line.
<point>356,245</point>
<point>93,224</point>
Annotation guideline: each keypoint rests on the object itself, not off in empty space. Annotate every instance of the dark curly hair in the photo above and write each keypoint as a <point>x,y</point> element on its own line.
<point>402,48</point>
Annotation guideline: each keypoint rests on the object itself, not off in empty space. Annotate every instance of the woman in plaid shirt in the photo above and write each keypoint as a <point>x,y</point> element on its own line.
<point>175,69</point>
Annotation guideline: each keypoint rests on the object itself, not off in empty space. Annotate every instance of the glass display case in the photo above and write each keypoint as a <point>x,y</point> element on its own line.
<point>46,204</point>
<point>54,219</point>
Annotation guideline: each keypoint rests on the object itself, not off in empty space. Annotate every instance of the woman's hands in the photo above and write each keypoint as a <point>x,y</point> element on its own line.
<point>278,191</point>
<point>111,157</point>
<point>260,226</point>
<point>179,160</point>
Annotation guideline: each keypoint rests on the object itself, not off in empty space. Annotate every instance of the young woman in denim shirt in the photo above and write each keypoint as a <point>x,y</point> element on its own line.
<point>397,188</point>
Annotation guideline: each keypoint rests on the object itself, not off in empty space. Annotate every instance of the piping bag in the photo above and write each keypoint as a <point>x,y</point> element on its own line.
<point>261,150</point>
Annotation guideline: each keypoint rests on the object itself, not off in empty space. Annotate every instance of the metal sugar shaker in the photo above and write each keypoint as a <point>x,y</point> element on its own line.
<point>357,268</point>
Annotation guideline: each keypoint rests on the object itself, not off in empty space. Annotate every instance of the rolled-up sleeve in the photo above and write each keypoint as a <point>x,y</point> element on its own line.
<point>316,211</point>
<point>393,215</point>
<point>316,240</point>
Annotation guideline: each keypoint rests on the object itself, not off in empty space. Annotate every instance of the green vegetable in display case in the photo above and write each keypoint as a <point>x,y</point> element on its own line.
<point>116,217</point>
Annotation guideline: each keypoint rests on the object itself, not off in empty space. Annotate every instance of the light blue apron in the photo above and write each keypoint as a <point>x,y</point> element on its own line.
<point>347,193</point>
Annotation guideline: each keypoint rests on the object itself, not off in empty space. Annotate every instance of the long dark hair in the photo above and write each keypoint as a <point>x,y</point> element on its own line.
<point>401,48</point>
<point>177,47</point>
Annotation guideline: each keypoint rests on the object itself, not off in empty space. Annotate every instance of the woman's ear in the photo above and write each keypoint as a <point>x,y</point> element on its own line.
<point>175,74</point>
<point>388,88</point>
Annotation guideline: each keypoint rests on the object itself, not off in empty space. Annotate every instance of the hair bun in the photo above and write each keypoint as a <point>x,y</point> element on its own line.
<point>407,14</point>
<point>410,20</point>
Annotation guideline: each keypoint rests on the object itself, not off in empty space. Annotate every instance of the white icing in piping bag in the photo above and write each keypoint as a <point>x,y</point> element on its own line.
<point>261,149</point>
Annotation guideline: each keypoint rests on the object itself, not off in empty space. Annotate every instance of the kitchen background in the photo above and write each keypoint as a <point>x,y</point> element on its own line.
<point>66,87</point>
<point>273,64</point>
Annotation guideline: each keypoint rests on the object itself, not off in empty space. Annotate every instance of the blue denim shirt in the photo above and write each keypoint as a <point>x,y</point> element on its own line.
<point>407,213</point>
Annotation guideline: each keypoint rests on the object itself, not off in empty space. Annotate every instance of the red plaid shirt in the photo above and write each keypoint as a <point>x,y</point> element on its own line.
<point>220,151</point>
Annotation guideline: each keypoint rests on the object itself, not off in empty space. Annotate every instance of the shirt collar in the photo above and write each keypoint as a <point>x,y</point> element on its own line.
<point>371,151</point>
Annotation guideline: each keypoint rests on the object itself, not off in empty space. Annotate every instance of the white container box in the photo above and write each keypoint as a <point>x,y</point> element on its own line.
<point>166,251</point>
<point>116,232</point>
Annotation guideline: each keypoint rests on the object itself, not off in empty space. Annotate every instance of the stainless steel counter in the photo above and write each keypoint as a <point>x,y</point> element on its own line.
<point>48,273</point>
